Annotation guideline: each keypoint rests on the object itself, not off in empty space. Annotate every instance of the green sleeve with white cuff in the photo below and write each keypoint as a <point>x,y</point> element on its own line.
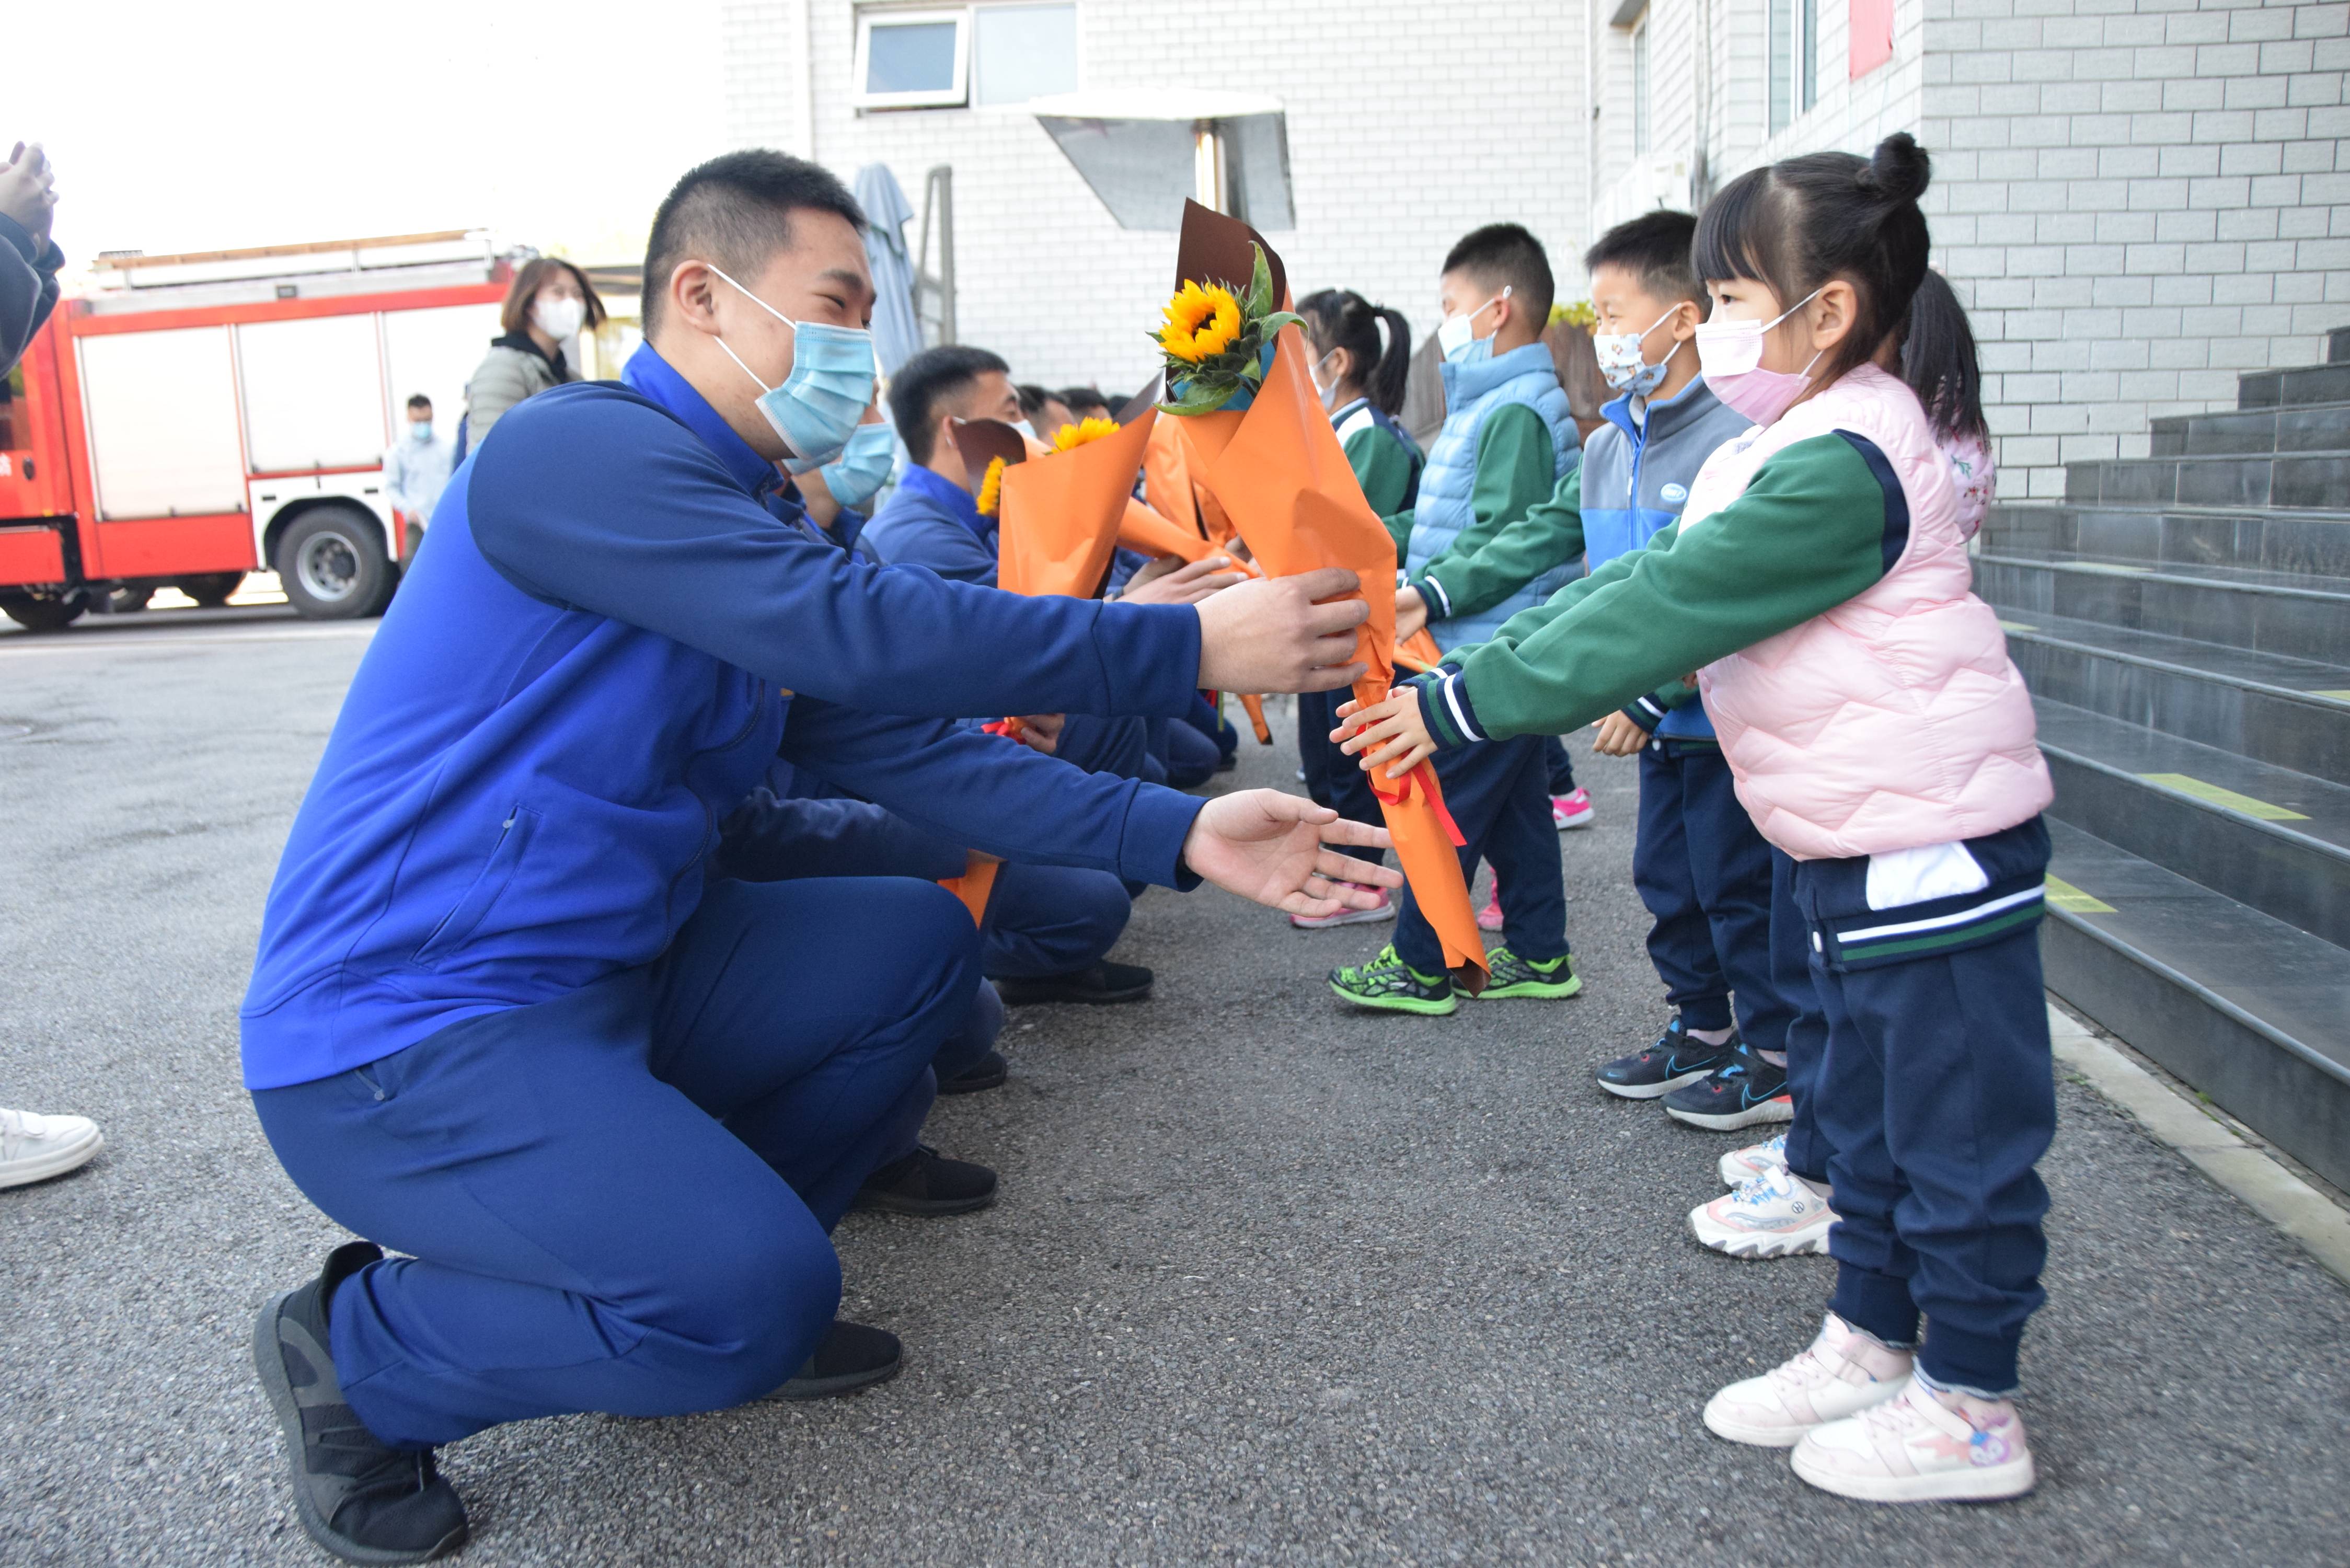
<point>1822,521</point>
<point>1517,469</point>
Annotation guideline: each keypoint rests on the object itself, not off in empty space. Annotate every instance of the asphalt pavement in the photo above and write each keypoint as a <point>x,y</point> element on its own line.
<point>1271,1281</point>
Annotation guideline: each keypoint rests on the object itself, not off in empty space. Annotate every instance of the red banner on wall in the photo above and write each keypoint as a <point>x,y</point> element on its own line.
<point>1872,36</point>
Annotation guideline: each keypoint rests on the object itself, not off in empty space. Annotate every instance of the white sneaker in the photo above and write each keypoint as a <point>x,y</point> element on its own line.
<point>1924,1447</point>
<point>34,1149</point>
<point>1844,1373</point>
<point>1773,1215</point>
<point>1385,911</point>
<point>1742,1166</point>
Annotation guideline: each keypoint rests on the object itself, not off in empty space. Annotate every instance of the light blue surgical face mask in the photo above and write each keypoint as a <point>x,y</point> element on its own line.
<point>864,465</point>
<point>1457,335</point>
<point>829,387</point>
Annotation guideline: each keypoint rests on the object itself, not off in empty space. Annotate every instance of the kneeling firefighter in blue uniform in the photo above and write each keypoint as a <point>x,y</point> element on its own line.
<point>500,1022</point>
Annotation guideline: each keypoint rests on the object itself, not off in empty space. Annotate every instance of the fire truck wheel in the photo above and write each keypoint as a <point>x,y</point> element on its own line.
<point>332,564</point>
<point>130,601</point>
<point>44,612</point>
<point>212,589</point>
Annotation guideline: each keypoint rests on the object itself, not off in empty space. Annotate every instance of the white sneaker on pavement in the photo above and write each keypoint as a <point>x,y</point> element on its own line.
<point>1843,1373</point>
<point>1386,911</point>
<point>35,1148</point>
<point>1741,1166</point>
<point>1923,1447</point>
<point>1773,1215</point>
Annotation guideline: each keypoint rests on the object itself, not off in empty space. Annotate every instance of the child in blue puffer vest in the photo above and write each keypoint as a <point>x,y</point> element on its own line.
<point>1508,438</point>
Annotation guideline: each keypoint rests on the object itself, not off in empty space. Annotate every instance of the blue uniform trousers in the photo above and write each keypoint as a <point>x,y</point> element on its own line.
<point>1704,873</point>
<point>1558,770</point>
<point>620,1200</point>
<point>1497,793</point>
<point>1332,777</point>
<point>1185,757</point>
<point>1938,1098</point>
<point>1807,1026</point>
<point>1043,920</point>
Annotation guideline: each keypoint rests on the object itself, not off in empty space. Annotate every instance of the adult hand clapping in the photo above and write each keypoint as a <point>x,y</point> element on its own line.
<point>1266,846</point>
<point>27,193</point>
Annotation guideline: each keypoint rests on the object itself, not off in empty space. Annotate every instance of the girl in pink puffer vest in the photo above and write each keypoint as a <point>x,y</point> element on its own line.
<point>1819,584</point>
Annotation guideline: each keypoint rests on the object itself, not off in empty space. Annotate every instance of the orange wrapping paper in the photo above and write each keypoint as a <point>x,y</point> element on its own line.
<point>977,881</point>
<point>1277,471</point>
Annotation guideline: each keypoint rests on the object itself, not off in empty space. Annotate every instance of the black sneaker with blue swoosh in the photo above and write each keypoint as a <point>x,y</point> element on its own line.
<point>1674,1062</point>
<point>1745,1090</point>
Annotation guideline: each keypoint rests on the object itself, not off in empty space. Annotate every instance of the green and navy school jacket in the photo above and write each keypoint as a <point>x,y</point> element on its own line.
<point>1473,395</point>
<point>1386,460</point>
<point>1636,480</point>
<point>615,627</point>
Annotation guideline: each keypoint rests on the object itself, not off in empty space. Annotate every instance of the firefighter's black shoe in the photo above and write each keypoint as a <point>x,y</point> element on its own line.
<point>359,1496</point>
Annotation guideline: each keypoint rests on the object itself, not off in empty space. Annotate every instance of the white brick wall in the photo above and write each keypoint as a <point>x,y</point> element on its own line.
<point>1408,126</point>
<point>2138,198</point>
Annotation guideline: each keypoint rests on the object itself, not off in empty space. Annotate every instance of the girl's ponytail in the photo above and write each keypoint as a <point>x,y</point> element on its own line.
<point>1939,362</point>
<point>1386,384</point>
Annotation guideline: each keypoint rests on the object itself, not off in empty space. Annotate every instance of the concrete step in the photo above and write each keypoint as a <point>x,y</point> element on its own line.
<point>2274,612</point>
<point>2247,1009</point>
<point>2292,714</point>
<point>2311,480</point>
<point>2275,840</point>
<point>2328,383</point>
<point>2317,427</point>
<point>2314,542</point>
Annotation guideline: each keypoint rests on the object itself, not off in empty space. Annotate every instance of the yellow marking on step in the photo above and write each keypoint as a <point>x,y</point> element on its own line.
<point>2226,797</point>
<point>2016,626</point>
<point>2338,696</point>
<point>2065,896</point>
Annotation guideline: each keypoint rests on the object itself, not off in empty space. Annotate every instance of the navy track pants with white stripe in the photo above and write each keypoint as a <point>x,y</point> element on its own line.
<point>1937,1099</point>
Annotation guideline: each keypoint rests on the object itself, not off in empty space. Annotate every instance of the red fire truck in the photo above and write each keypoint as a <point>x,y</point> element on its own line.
<point>195,417</point>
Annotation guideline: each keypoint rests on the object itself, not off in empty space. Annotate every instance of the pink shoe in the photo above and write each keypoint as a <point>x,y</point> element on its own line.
<point>1923,1447</point>
<point>1489,918</point>
<point>1571,810</point>
<point>1385,911</point>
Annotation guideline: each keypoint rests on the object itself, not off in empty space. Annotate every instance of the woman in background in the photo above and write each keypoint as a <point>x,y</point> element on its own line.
<point>550,301</point>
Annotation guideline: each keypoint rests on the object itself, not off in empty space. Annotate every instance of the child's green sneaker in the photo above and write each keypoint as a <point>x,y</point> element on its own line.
<point>1388,981</point>
<point>1511,975</point>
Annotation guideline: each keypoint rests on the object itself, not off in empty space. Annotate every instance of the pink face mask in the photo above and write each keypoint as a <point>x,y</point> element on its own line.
<point>1729,354</point>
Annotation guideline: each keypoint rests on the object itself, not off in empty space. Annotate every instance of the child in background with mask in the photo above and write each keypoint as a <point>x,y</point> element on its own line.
<point>1864,697</point>
<point>1508,438</point>
<point>1361,379</point>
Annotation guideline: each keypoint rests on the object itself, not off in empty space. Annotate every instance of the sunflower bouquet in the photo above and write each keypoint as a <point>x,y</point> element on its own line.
<point>1218,341</point>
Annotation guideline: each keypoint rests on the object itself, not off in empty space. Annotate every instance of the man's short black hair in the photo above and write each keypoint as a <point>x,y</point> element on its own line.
<point>420,401</point>
<point>1084,402</point>
<point>735,211</point>
<point>926,380</point>
<point>1033,398</point>
<point>1505,255</point>
<point>1653,248</point>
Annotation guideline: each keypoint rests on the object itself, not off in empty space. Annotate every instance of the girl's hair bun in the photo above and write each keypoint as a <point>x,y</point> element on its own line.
<point>1899,170</point>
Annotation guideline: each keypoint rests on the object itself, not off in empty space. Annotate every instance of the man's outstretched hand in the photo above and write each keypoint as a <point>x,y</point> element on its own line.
<point>1267,847</point>
<point>1271,634</point>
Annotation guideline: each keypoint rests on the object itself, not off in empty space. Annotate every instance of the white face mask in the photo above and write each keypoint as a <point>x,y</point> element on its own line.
<point>1621,364</point>
<point>1328,389</point>
<point>1458,336</point>
<point>558,318</point>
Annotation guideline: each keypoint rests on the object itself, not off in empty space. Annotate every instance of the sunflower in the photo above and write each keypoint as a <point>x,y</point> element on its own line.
<point>1079,431</point>
<point>991,488</point>
<point>1201,322</point>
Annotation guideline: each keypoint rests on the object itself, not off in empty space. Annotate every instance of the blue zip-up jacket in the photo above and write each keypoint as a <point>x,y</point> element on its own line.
<point>1443,510</point>
<point>1635,479</point>
<point>590,664</point>
<point>935,523</point>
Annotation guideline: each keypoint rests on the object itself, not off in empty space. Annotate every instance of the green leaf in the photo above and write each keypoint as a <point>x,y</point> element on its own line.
<point>1199,399</point>
<point>1258,298</point>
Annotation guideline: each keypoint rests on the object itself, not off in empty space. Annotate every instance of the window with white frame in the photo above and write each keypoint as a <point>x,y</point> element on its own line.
<point>1640,87</point>
<point>946,58</point>
<point>1794,62</point>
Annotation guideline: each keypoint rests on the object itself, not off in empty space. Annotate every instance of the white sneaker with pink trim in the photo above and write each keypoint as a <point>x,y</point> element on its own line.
<point>1776,1214</point>
<point>1844,1373</point>
<point>1571,810</point>
<point>1741,1166</point>
<point>1923,1447</point>
<point>1386,910</point>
